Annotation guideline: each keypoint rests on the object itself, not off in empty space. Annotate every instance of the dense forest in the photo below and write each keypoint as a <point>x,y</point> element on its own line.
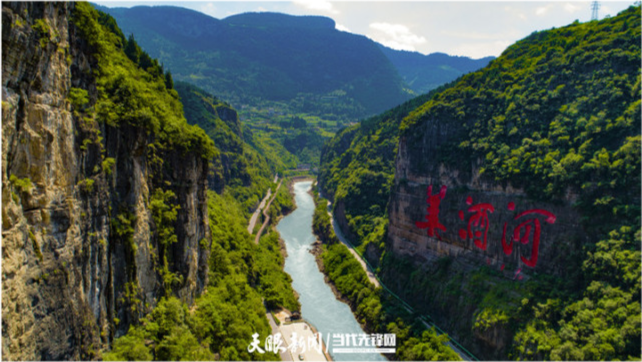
<point>298,64</point>
<point>129,179</point>
<point>241,274</point>
<point>423,73</point>
<point>357,164</point>
<point>558,112</point>
<point>275,68</point>
<point>378,311</point>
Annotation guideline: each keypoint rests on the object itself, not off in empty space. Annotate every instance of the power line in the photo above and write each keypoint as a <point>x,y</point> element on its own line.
<point>596,7</point>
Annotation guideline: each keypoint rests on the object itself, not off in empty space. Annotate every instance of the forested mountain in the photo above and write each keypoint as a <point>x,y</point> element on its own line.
<point>110,235</point>
<point>357,170</point>
<point>302,62</point>
<point>550,128</point>
<point>423,73</point>
<point>247,163</point>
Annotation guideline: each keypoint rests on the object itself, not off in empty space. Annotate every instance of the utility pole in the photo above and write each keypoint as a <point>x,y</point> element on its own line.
<point>595,6</point>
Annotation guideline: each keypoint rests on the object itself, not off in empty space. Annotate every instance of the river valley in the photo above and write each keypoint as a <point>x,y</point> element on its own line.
<point>319,305</point>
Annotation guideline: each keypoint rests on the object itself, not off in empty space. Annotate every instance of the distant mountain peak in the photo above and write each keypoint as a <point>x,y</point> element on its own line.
<point>270,19</point>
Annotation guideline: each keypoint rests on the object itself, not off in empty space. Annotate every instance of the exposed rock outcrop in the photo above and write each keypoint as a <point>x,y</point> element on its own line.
<point>74,275</point>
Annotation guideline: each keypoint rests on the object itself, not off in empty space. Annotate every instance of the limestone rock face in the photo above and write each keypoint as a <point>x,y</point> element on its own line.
<point>439,210</point>
<point>449,221</point>
<point>69,283</point>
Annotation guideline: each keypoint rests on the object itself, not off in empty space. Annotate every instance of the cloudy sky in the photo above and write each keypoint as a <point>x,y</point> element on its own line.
<point>470,28</point>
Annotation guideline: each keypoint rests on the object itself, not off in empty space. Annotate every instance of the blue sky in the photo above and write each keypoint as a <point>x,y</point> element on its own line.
<point>469,28</point>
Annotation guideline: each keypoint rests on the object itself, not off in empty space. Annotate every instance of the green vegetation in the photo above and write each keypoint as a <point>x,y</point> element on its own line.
<point>35,245</point>
<point>243,158</point>
<point>123,89</point>
<point>87,185</point>
<point>78,98</point>
<point>604,324</point>
<point>22,184</point>
<point>108,165</point>
<point>357,170</point>
<point>271,61</point>
<point>41,26</point>
<point>275,285</point>
<point>423,73</point>
<point>164,214</point>
<point>224,318</point>
<point>167,327</point>
<point>557,113</point>
<point>558,110</point>
<point>275,69</point>
<point>375,309</point>
<point>134,90</point>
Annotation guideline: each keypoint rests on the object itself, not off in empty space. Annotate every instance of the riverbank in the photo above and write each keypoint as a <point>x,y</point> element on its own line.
<point>351,285</point>
<point>319,305</point>
<point>380,311</point>
<point>339,234</point>
<point>317,250</point>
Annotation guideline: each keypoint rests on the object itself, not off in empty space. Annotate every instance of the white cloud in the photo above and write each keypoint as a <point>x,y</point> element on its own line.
<point>209,9</point>
<point>261,9</point>
<point>396,36</point>
<point>512,12</point>
<point>541,10</point>
<point>342,27</point>
<point>320,5</point>
<point>570,8</point>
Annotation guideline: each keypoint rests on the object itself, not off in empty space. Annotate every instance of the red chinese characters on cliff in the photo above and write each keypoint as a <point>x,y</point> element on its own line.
<point>432,217</point>
<point>477,224</point>
<point>527,231</point>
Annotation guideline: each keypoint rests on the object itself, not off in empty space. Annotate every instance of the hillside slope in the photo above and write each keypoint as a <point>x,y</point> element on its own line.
<point>246,165</point>
<point>519,188</point>
<point>301,61</point>
<point>113,246</point>
<point>357,171</point>
<point>423,73</point>
<point>103,185</point>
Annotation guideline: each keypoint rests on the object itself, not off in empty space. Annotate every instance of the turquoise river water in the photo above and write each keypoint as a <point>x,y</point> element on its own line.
<point>319,306</point>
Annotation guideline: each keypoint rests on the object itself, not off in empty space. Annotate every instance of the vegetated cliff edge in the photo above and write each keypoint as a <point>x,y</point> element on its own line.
<point>514,216</point>
<point>551,127</point>
<point>103,184</point>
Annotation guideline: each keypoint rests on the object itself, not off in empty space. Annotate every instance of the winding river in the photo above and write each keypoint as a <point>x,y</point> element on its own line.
<point>319,306</point>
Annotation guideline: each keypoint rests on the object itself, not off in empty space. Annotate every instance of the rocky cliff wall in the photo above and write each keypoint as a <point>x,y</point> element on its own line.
<point>80,246</point>
<point>464,239</point>
<point>439,209</point>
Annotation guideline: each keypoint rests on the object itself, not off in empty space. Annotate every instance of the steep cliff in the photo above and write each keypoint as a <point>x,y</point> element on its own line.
<point>357,169</point>
<point>246,167</point>
<point>510,190</point>
<point>540,145</point>
<point>103,185</point>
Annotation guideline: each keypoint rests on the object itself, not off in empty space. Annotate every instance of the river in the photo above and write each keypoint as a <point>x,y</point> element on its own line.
<point>319,306</point>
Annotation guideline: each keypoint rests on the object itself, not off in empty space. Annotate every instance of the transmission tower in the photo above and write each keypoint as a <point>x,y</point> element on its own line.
<point>595,6</point>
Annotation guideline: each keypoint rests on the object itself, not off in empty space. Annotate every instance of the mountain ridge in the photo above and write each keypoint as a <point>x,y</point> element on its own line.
<point>551,128</point>
<point>276,60</point>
